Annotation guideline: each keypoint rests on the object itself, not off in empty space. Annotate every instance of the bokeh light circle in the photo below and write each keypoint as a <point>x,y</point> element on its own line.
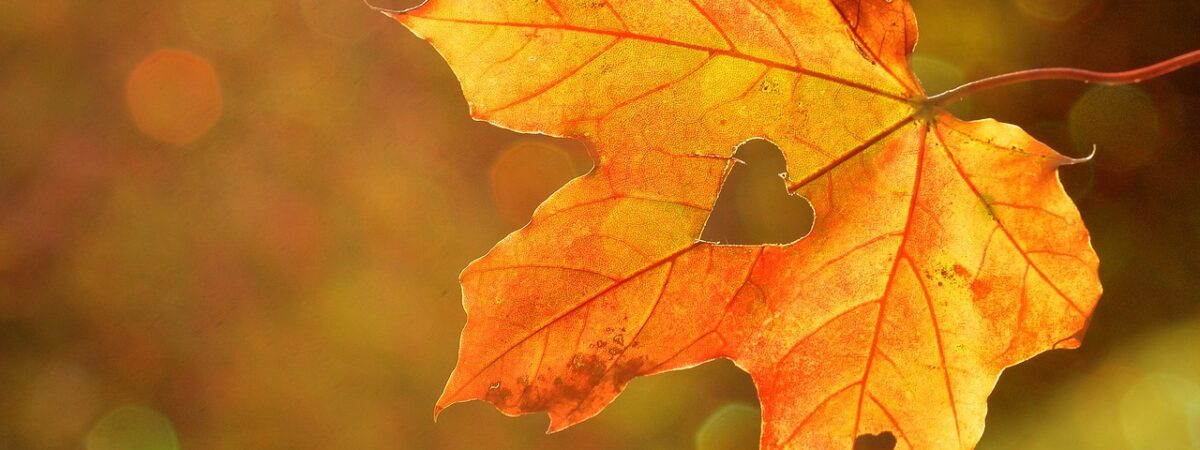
<point>733,427</point>
<point>174,96</point>
<point>1154,412</point>
<point>524,175</point>
<point>1122,122</point>
<point>132,427</point>
<point>58,383</point>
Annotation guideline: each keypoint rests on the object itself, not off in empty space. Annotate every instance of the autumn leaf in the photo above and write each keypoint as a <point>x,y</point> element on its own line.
<point>942,252</point>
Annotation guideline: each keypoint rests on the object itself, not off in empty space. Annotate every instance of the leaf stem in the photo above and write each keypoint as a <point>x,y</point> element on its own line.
<point>1064,73</point>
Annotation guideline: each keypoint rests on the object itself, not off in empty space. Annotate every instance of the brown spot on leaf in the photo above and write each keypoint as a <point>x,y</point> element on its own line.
<point>627,370</point>
<point>499,396</point>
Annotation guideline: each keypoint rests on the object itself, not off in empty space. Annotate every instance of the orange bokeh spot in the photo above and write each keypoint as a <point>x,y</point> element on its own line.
<point>174,96</point>
<point>525,175</point>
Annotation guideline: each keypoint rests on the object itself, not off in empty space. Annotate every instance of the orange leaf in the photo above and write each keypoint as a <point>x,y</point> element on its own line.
<point>942,251</point>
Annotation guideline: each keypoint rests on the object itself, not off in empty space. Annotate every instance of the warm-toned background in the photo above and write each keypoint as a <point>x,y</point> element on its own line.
<point>238,225</point>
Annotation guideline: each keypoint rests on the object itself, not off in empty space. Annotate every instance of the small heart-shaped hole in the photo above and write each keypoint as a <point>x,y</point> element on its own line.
<point>754,206</point>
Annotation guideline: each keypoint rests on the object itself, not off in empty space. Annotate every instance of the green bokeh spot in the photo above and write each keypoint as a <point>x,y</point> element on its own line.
<point>131,427</point>
<point>733,427</point>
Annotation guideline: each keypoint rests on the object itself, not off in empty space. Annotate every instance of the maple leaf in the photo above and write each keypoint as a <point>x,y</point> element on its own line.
<point>942,252</point>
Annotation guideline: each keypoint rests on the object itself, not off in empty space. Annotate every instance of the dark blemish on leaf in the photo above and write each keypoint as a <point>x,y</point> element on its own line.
<point>588,368</point>
<point>585,375</point>
<point>499,396</point>
<point>530,398</point>
<point>584,372</point>
<point>945,272</point>
<point>955,275</point>
<point>857,46</point>
<point>882,441</point>
<point>566,392</point>
<point>770,86</point>
<point>987,204</point>
<point>625,371</point>
<point>619,339</point>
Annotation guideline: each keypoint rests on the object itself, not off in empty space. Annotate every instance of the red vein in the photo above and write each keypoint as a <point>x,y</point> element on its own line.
<point>852,250</point>
<point>662,291</point>
<point>681,350</point>
<point>554,8</point>
<point>883,300</point>
<point>617,197</point>
<point>850,154</point>
<point>933,216</point>
<point>967,179</point>
<point>539,266</point>
<point>658,40</point>
<point>655,90</point>
<point>937,335</point>
<point>776,371</point>
<point>1031,208</point>
<point>888,359</point>
<point>983,257</point>
<point>582,303</point>
<point>891,418</point>
<point>616,14</point>
<point>587,317</point>
<point>863,44</point>
<point>542,358</point>
<point>738,292</point>
<point>972,138</point>
<point>562,78</point>
<point>749,88</point>
<point>829,186</point>
<point>713,21</point>
<point>529,38</point>
<point>625,243</point>
<point>778,29</point>
<point>1021,310</point>
<point>812,413</point>
<point>482,42</point>
<point>1076,258</point>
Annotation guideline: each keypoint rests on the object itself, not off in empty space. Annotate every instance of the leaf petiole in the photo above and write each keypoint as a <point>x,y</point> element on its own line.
<point>1064,73</point>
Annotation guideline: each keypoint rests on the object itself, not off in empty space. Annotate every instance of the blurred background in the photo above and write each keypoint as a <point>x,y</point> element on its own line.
<point>231,225</point>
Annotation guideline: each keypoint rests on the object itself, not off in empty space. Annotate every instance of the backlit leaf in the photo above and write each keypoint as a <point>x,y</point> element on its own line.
<point>943,251</point>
